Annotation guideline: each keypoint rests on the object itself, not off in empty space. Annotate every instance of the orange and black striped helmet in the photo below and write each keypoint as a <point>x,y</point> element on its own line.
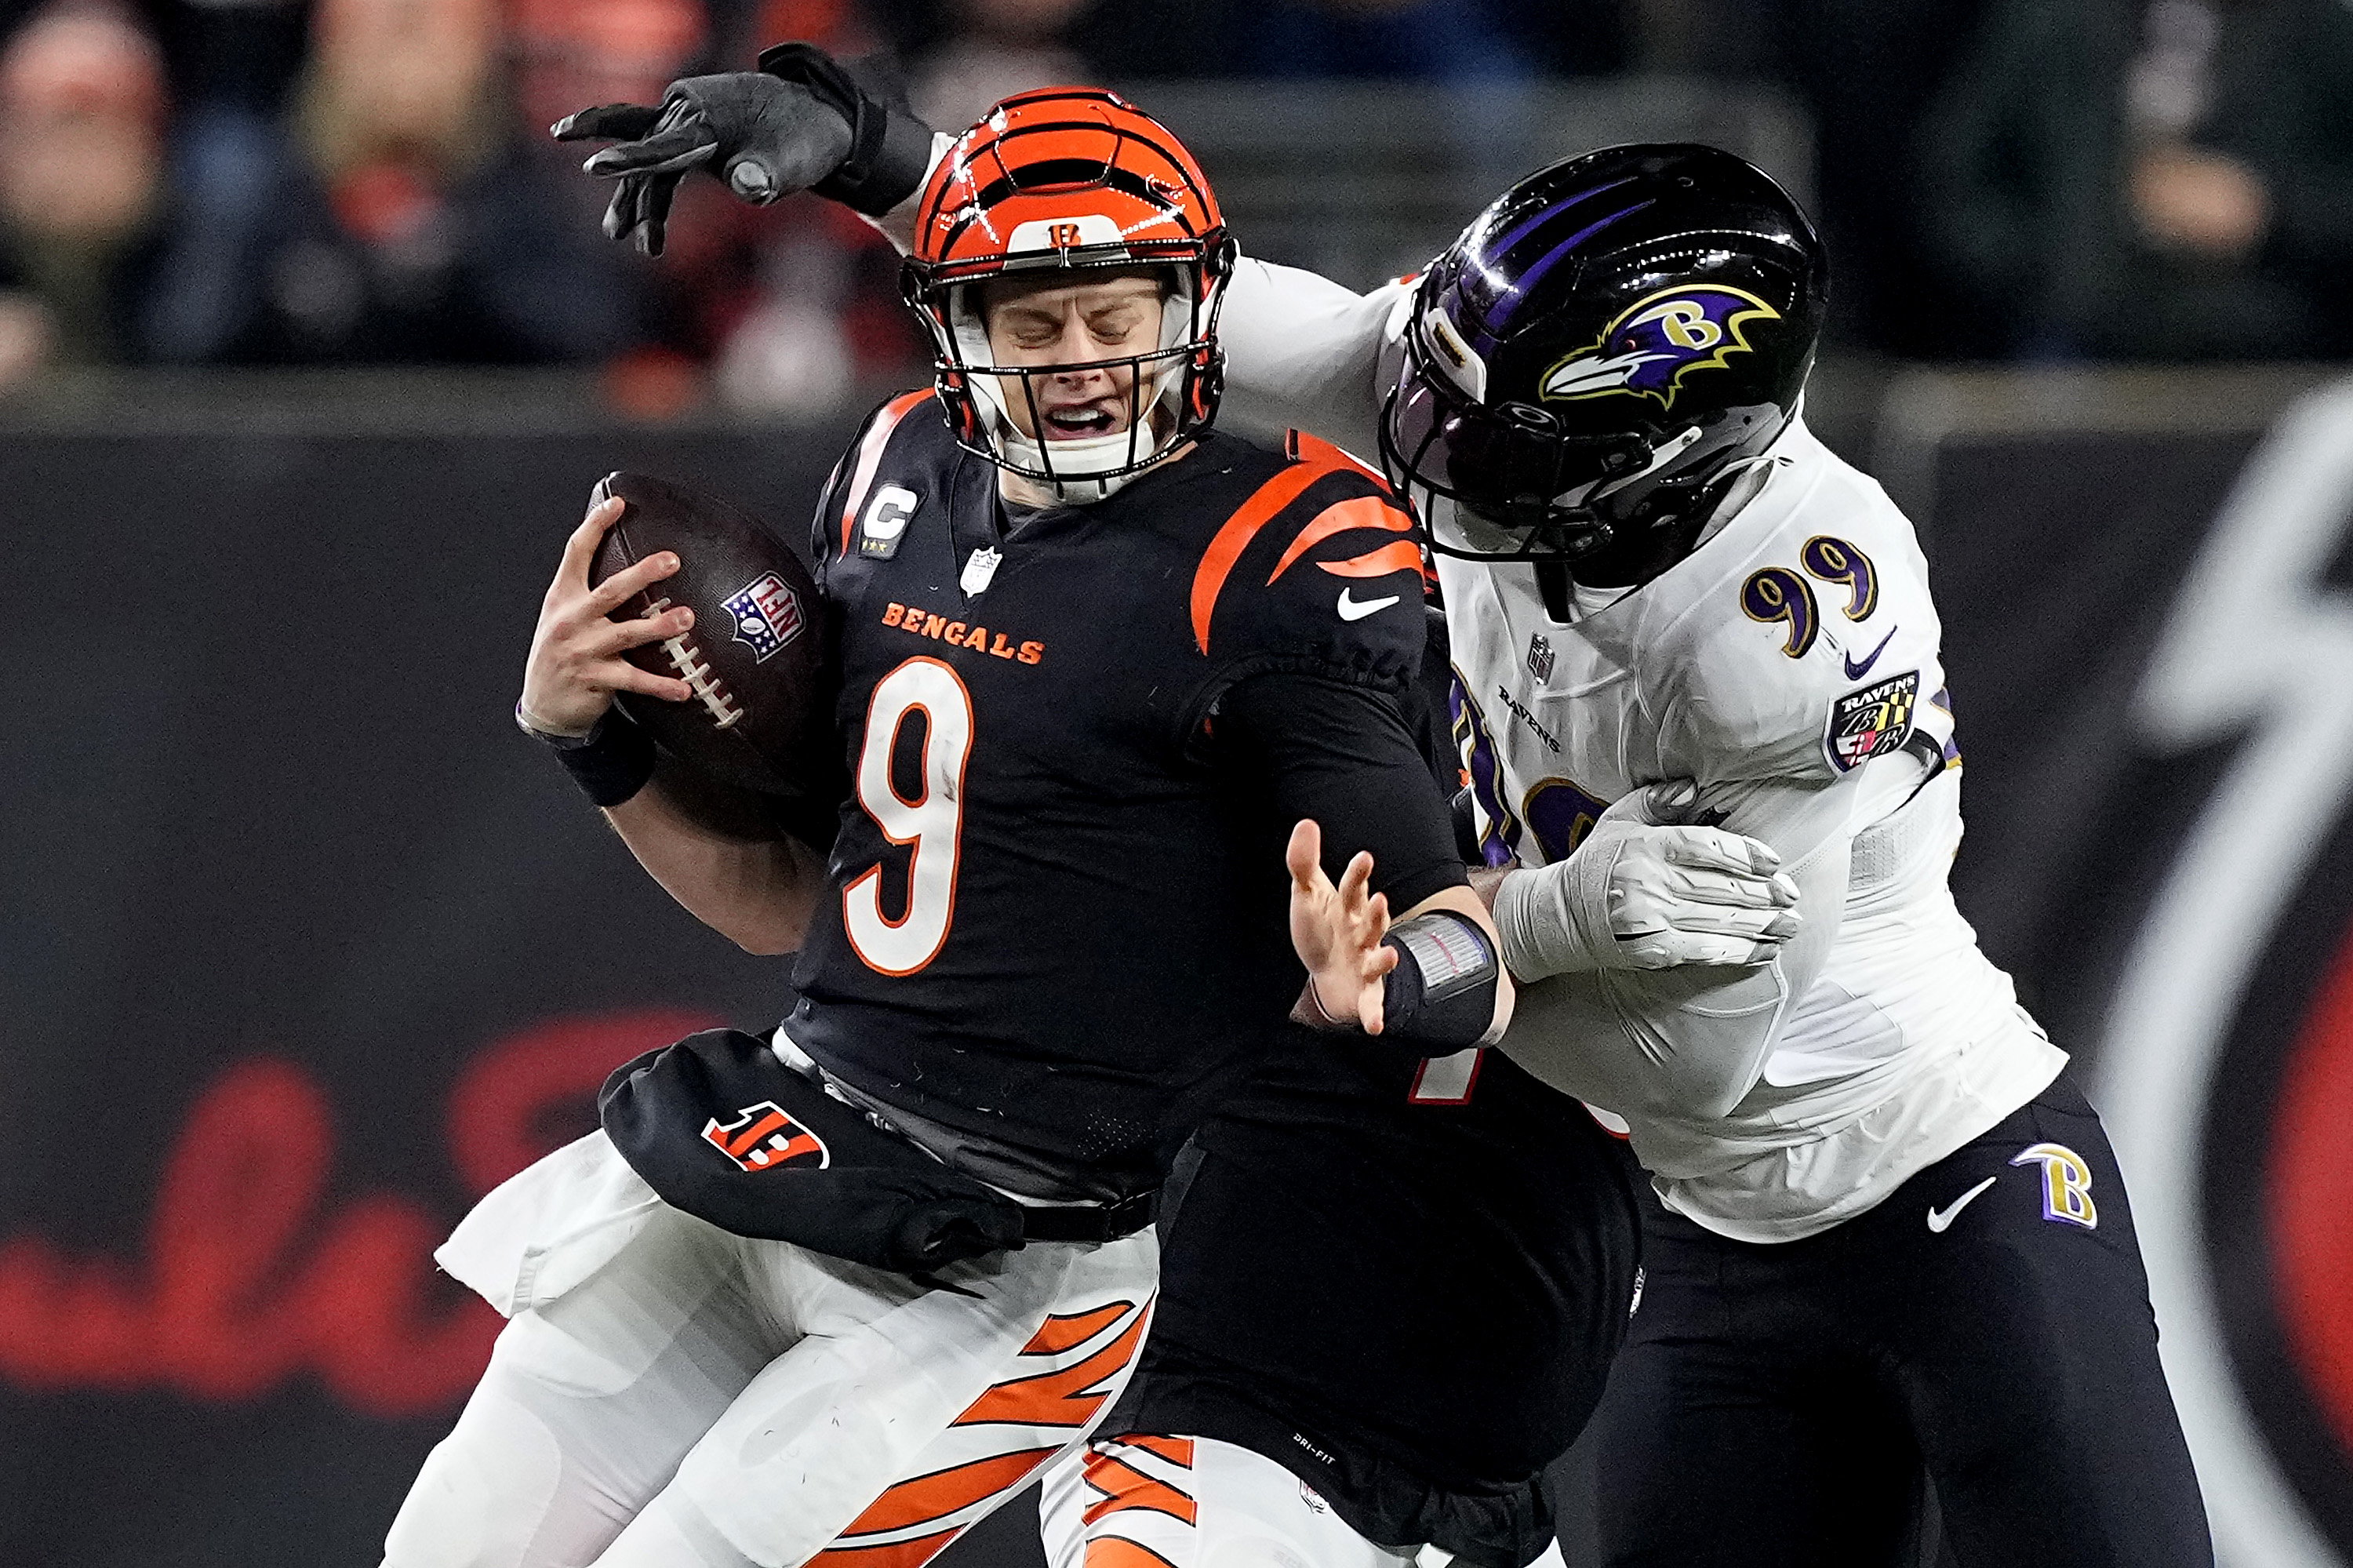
<point>1071,178</point>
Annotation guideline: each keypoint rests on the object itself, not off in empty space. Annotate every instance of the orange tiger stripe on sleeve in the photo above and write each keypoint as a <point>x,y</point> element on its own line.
<point>1316,450</point>
<point>1363,511</point>
<point>1310,460</point>
<point>869,455</point>
<point>1402,557</point>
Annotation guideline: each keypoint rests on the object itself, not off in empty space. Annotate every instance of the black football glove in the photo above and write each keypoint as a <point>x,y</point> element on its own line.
<point>800,123</point>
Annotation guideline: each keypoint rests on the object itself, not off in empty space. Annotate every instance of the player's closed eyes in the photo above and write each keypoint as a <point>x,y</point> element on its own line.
<point>1109,328</point>
<point>1114,325</point>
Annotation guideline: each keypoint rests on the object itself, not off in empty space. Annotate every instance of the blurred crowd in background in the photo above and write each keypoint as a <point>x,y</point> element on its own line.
<point>365,182</point>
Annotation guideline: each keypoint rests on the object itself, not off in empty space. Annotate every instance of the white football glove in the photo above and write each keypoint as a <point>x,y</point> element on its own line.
<point>1640,895</point>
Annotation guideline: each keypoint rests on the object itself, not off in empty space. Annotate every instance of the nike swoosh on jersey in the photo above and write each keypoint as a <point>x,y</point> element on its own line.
<point>1939,1218</point>
<point>1352,610</point>
<point>1855,671</point>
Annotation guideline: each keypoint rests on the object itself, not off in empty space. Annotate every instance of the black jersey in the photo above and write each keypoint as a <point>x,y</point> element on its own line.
<point>1403,1280</point>
<point>1053,917</point>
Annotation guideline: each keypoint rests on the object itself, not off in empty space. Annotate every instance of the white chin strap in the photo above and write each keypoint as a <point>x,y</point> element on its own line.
<point>1080,468</point>
<point>1078,465</point>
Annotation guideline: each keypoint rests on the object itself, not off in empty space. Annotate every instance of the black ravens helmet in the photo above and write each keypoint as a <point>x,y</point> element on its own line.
<point>1604,349</point>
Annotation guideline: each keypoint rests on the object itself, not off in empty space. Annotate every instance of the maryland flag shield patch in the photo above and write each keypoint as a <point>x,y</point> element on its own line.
<point>1871,722</point>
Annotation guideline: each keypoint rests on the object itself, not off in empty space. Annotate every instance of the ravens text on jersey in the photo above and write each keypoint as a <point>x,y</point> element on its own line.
<point>1056,905</point>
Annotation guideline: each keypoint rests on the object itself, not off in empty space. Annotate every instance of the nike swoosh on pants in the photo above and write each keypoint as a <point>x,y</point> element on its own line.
<point>1939,1218</point>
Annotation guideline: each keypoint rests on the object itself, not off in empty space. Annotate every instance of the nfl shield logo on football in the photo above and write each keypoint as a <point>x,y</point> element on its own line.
<point>1871,722</point>
<point>1540,657</point>
<point>762,1138</point>
<point>768,615</point>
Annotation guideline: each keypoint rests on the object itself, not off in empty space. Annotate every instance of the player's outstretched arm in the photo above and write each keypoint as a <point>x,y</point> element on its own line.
<point>1693,1039</point>
<point>801,121</point>
<point>1336,930</point>
<point>1302,352</point>
<point>1340,931</point>
<point>1643,892</point>
<point>712,847</point>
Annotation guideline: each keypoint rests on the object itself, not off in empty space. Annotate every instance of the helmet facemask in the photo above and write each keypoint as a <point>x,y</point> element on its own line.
<point>1163,384</point>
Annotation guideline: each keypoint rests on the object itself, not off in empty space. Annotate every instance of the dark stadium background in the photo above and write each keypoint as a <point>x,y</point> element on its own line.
<point>310,353</point>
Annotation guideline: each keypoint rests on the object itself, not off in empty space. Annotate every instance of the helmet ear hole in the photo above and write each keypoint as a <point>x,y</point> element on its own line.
<point>956,397</point>
<point>1222,258</point>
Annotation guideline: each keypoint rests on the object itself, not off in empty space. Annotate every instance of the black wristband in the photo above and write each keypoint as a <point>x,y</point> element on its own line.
<point>611,763</point>
<point>1442,992</point>
<point>890,149</point>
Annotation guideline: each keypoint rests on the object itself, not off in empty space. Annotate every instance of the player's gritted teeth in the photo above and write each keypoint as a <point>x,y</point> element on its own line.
<point>1068,419</point>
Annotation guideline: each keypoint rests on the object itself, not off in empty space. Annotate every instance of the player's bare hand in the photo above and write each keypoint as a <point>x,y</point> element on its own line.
<point>577,659</point>
<point>1336,931</point>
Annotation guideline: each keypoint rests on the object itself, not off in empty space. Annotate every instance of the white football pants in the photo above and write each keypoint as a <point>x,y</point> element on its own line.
<point>666,1394</point>
<point>1196,1502</point>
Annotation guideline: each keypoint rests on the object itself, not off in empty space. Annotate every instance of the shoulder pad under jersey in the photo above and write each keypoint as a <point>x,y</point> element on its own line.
<point>1810,645</point>
<point>851,486</point>
<point>1320,569</point>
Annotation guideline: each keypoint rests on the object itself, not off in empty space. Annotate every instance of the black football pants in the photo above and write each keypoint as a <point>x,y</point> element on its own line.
<point>1773,1405</point>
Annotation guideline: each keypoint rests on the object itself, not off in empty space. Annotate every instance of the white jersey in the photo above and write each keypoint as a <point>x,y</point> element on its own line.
<point>1791,666</point>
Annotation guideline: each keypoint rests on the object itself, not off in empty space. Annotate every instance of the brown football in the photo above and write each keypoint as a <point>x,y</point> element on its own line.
<point>753,654</point>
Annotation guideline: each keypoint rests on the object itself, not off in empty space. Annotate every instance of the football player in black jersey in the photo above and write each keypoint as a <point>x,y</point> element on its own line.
<point>1395,1281</point>
<point>1096,665</point>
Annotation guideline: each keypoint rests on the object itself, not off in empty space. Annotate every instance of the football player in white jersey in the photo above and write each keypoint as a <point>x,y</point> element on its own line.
<point>1887,1229</point>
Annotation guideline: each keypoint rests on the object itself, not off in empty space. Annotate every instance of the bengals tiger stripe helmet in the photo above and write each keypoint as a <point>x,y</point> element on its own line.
<point>1073,179</point>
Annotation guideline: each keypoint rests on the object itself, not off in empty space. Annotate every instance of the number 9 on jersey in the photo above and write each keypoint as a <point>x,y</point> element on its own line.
<point>933,821</point>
